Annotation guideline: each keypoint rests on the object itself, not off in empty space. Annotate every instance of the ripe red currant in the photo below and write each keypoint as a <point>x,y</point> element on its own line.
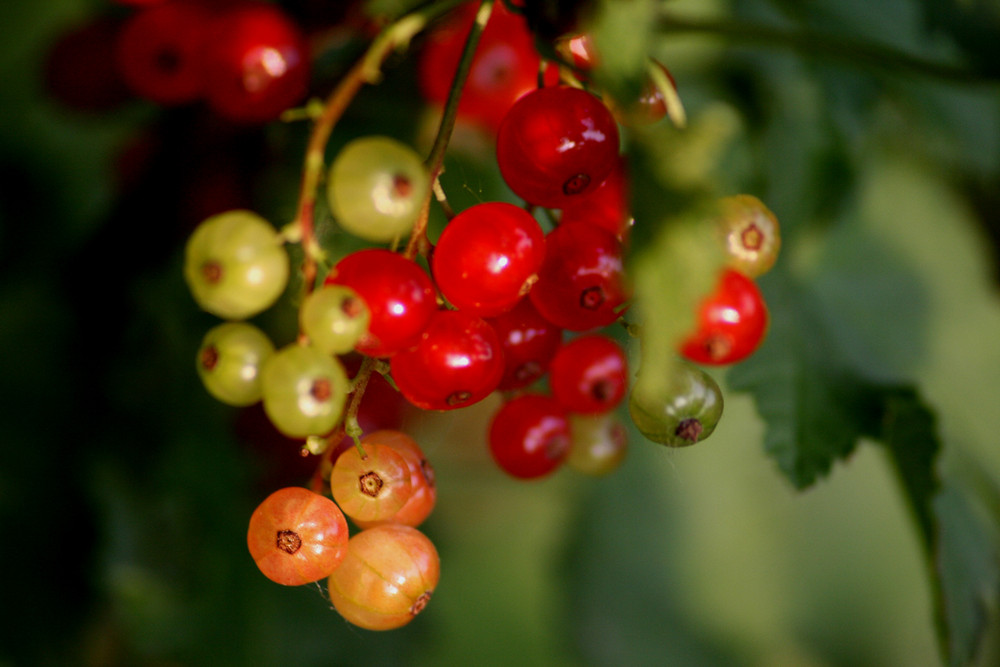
<point>256,62</point>
<point>399,294</point>
<point>529,342</point>
<point>581,284</point>
<point>423,492</point>
<point>589,374</point>
<point>607,206</point>
<point>387,577</point>
<point>297,536</point>
<point>487,258</point>
<point>731,322</point>
<point>372,486</point>
<point>457,362</point>
<point>160,52</point>
<point>529,436</point>
<point>504,67</point>
<point>556,144</point>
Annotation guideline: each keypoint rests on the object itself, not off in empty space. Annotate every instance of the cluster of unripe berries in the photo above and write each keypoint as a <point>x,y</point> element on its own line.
<point>493,304</point>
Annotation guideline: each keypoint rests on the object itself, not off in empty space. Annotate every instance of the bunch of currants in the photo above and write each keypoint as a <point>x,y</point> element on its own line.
<point>495,304</point>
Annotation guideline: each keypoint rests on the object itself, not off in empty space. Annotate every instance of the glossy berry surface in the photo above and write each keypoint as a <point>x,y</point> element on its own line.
<point>297,536</point>
<point>160,52</point>
<point>504,67</point>
<point>529,341</point>
<point>731,322</point>
<point>386,578</point>
<point>589,374</point>
<point>606,206</point>
<point>423,489</point>
<point>304,390</point>
<point>457,362</point>
<point>685,411</point>
<point>529,436</point>
<point>375,188</point>
<point>334,318</point>
<point>751,234</point>
<point>399,294</point>
<point>229,362</point>
<point>487,258</point>
<point>581,284</point>
<point>256,63</point>
<point>556,144</point>
<point>235,264</point>
<point>373,486</point>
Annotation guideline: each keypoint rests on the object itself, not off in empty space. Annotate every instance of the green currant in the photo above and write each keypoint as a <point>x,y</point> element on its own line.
<point>598,443</point>
<point>304,390</point>
<point>684,413</point>
<point>235,265</point>
<point>751,234</point>
<point>334,318</point>
<point>375,188</point>
<point>229,362</point>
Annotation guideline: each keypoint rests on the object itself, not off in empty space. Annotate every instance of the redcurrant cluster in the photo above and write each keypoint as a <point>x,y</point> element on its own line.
<point>248,60</point>
<point>496,303</point>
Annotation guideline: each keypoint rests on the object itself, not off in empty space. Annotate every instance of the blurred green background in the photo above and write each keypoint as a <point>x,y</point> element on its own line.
<point>125,490</point>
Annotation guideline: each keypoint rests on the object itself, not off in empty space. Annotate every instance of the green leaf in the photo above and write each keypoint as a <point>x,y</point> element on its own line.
<point>623,37</point>
<point>815,406</point>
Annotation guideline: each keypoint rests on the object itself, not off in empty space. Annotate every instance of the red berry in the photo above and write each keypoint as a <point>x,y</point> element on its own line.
<point>607,206</point>
<point>399,294</point>
<point>371,487</point>
<point>731,322</point>
<point>589,374</point>
<point>256,63</point>
<point>160,52</point>
<point>488,257</point>
<point>504,68</point>
<point>529,436</point>
<point>581,284</point>
<point>457,362</point>
<point>556,144</point>
<point>387,577</point>
<point>297,536</point>
<point>423,492</point>
<point>529,342</point>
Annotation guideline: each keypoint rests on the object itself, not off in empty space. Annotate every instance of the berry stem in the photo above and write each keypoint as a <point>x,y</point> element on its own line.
<point>435,159</point>
<point>358,386</point>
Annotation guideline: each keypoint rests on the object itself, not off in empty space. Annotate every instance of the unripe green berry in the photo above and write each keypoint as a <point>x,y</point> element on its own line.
<point>229,362</point>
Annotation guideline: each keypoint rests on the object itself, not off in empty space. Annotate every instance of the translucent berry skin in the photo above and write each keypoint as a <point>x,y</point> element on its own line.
<point>375,188</point>
<point>256,63</point>
<point>607,206</point>
<point>582,283</point>
<point>556,144</point>
<point>529,341</point>
<point>159,52</point>
<point>387,577</point>
<point>297,536</point>
<point>731,322</point>
<point>589,375</point>
<point>372,487</point>
<point>235,265</point>
<point>334,318</point>
<point>304,390</point>
<point>399,294</point>
<point>751,234</point>
<point>487,258</point>
<point>504,67</point>
<point>685,412</point>
<point>457,362</point>
<point>229,362</point>
<point>423,490</point>
<point>599,444</point>
<point>529,436</point>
